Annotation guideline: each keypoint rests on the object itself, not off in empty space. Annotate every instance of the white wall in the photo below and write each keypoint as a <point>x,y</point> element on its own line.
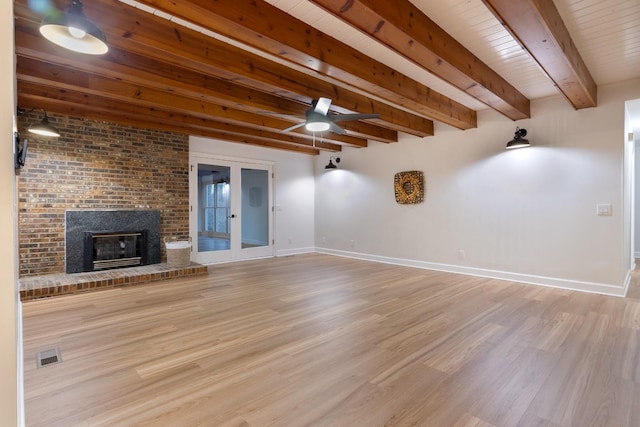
<point>10,386</point>
<point>637,200</point>
<point>294,190</point>
<point>628,185</point>
<point>636,189</point>
<point>527,215</point>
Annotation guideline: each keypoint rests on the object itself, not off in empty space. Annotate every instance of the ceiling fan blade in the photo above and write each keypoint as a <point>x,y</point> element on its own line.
<point>336,129</point>
<point>345,117</point>
<point>289,129</point>
<point>322,106</point>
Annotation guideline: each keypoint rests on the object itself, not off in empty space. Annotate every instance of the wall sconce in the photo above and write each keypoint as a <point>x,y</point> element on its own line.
<point>332,165</point>
<point>20,151</point>
<point>72,30</point>
<point>519,140</point>
<point>44,128</point>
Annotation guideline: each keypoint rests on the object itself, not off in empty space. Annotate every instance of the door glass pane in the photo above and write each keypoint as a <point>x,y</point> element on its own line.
<point>255,208</point>
<point>214,201</point>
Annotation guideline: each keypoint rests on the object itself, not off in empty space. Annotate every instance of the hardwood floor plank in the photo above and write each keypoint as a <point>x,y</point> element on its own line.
<point>557,331</point>
<point>531,420</point>
<point>470,421</point>
<point>452,355</point>
<point>608,402</point>
<point>625,358</point>
<point>327,341</point>
<point>514,389</point>
<point>631,315</point>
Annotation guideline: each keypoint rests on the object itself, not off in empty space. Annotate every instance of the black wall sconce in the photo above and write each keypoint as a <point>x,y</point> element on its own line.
<point>519,140</point>
<point>20,151</point>
<point>332,165</point>
<point>44,128</point>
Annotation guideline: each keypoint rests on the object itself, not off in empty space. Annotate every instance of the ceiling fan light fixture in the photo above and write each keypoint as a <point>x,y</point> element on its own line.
<point>319,119</point>
<point>519,140</point>
<point>44,128</point>
<point>72,30</point>
<point>317,126</point>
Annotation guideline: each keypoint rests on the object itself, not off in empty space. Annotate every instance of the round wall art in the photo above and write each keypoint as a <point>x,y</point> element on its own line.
<point>409,187</point>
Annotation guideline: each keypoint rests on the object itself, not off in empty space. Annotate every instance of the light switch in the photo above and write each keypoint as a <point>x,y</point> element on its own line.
<point>603,209</point>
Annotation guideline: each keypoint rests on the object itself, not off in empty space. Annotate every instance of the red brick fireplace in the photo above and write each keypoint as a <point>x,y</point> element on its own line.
<point>96,166</point>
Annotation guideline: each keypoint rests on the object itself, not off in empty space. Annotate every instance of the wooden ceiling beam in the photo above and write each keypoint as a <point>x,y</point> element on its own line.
<point>265,27</point>
<point>96,109</point>
<point>179,47</point>
<point>180,87</point>
<point>30,70</point>
<point>406,29</point>
<point>138,69</point>
<point>538,27</point>
<point>72,101</point>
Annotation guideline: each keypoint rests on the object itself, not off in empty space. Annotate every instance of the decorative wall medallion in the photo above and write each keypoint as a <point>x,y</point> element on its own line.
<point>409,187</point>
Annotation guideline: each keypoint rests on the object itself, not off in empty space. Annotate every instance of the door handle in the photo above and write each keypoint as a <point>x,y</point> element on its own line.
<point>232,216</point>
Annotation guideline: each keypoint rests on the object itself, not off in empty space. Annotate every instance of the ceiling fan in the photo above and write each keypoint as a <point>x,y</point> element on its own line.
<point>318,118</point>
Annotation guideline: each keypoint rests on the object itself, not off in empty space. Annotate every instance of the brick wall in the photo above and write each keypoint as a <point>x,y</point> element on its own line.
<point>95,165</point>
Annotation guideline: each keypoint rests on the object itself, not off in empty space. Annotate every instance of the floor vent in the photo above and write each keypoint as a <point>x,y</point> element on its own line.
<point>48,357</point>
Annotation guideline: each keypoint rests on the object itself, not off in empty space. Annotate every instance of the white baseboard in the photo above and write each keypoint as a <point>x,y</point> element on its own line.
<point>296,251</point>
<point>574,285</point>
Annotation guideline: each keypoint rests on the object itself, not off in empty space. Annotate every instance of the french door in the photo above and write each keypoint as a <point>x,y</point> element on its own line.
<point>231,216</point>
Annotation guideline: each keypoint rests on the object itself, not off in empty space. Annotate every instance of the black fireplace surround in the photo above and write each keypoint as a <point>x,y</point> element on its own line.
<point>82,223</point>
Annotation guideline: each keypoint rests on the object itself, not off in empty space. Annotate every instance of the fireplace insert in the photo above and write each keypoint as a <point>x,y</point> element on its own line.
<point>113,249</point>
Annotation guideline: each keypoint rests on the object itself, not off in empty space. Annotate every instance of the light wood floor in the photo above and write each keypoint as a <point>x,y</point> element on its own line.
<point>327,341</point>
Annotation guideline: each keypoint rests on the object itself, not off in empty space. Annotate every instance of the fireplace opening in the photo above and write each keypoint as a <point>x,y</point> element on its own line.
<point>114,249</point>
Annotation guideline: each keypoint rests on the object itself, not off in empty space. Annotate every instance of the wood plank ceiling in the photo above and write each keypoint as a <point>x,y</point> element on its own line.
<point>243,70</point>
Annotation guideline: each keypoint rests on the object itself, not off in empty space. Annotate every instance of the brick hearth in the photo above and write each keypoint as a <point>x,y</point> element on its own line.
<point>50,285</point>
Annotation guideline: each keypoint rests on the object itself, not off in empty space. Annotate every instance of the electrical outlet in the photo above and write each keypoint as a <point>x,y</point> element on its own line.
<point>603,209</point>
<point>462,255</point>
